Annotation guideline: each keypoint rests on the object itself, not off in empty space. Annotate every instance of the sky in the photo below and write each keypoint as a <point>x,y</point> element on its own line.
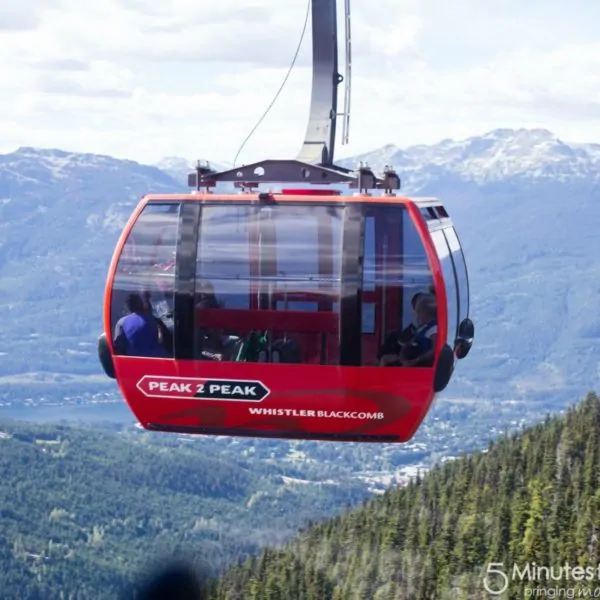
<point>143,79</point>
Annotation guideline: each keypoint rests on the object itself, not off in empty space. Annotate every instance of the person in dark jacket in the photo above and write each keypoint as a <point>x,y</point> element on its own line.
<point>420,352</point>
<point>394,341</point>
<point>137,333</point>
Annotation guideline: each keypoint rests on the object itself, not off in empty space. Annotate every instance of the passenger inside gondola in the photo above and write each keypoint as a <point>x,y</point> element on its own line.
<point>420,351</point>
<point>137,333</point>
<point>415,345</point>
<point>408,333</point>
<point>395,340</point>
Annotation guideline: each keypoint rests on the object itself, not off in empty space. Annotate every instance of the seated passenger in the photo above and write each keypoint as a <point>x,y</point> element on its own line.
<point>394,341</point>
<point>420,349</point>
<point>420,352</point>
<point>137,334</point>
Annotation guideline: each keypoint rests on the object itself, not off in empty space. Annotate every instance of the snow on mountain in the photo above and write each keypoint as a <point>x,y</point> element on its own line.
<point>499,155</point>
<point>30,163</point>
<point>78,173</point>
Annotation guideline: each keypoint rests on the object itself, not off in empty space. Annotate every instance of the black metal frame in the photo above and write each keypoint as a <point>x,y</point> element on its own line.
<point>295,171</point>
<point>185,281</point>
<point>319,139</point>
<point>315,161</point>
<point>352,285</point>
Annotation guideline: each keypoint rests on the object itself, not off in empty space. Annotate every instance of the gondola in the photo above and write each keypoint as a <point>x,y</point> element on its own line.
<point>325,307</point>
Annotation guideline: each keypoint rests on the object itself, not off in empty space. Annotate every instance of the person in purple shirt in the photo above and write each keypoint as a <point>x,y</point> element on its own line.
<point>137,333</point>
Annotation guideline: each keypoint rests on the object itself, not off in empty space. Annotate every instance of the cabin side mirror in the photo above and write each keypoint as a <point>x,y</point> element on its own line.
<point>106,357</point>
<point>464,341</point>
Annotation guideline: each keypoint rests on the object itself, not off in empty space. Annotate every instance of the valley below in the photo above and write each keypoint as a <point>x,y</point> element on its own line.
<point>454,425</point>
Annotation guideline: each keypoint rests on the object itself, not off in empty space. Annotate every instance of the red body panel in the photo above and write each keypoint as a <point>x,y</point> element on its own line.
<point>304,401</point>
<point>379,401</point>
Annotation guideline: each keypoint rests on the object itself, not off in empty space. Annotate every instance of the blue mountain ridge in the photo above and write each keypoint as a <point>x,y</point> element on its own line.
<point>525,204</point>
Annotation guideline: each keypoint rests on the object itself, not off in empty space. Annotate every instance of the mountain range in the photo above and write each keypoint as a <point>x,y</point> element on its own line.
<point>525,205</point>
<point>521,155</point>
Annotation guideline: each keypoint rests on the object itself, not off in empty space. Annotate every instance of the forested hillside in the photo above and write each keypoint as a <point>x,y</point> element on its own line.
<point>530,498</point>
<point>84,513</point>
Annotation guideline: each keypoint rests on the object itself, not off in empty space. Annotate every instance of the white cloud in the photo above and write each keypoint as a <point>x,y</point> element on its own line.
<point>142,79</point>
<point>24,15</point>
<point>98,79</point>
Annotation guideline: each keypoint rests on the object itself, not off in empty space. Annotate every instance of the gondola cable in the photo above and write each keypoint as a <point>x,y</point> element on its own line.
<point>291,68</point>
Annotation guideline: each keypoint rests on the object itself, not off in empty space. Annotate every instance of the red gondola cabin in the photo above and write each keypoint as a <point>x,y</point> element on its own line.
<point>287,315</point>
